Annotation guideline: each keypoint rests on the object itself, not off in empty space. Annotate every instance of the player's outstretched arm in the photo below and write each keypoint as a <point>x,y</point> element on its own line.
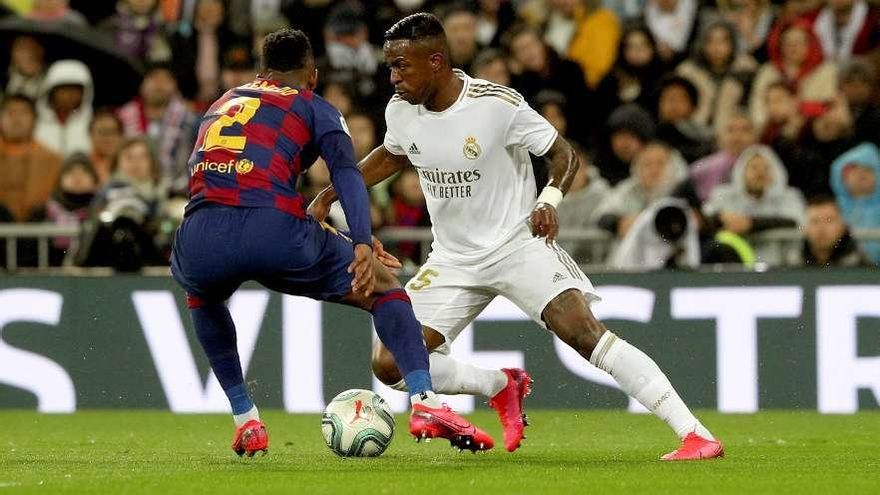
<point>375,167</point>
<point>562,163</point>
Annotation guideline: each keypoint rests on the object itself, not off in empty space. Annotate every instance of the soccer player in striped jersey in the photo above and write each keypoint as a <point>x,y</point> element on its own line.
<point>469,140</point>
<point>246,221</point>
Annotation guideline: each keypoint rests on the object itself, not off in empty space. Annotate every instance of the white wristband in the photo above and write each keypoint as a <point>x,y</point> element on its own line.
<point>550,195</point>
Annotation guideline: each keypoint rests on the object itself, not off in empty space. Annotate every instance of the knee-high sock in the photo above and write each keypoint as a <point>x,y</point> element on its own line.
<point>216,332</point>
<point>640,377</point>
<point>451,376</point>
<point>401,334</point>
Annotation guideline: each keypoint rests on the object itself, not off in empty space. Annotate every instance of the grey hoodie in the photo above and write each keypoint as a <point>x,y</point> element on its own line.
<point>578,211</point>
<point>630,198</point>
<point>779,200</point>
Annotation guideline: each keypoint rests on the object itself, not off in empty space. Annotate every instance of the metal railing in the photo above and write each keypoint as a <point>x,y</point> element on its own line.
<point>599,241</point>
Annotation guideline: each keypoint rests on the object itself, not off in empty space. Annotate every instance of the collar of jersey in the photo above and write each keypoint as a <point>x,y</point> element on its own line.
<point>464,88</point>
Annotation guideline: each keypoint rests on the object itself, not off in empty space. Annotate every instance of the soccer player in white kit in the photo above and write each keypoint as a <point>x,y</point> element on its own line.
<point>469,140</point>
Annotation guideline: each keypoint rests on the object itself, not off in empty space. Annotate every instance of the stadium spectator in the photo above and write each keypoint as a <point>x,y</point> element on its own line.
<point>784,120</point>
<point>460,23</point>
<point>734,136</point>
<point>846,28</point>
<point>656,172</point>
<point>677,103</point>
<point>196,49</point>
<point>137,30</point>
<point>494,18</point>
<point>586,33</point>
<point>854,177</point>
<point>64,111</point>
<point>720,74</point>
<point>56,11</point>
<point>630,128</point>
<point>578,209</point>
<point>106,134</point>
<point>758,198</point>
<point>753,20</point>
<point>827,240</point>
<point>160,113</point>
<point>339,93</point>
<point>551,105</point>
<point>635,74</point>
<point>239,68</point>
<point>29,169</point>
<point>541,69</point>
<point>826,133</point>
<point>68,205</point>
<point>858,84</point>
<point>363,134</point>
<point>491,65</point>
<point>796,59</point>
<point>352,60</point>
<point>27,67</point>
<point>673,24</point>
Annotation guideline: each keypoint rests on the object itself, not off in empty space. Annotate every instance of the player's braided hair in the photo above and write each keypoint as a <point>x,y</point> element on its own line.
<point>416,27</point>
<point>286,50</point>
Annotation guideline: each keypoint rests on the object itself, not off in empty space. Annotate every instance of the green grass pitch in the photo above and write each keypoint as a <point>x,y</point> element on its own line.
<point>567,451</point>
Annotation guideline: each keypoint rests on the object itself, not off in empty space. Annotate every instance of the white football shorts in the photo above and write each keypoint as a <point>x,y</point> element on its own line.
<point>448,296</point>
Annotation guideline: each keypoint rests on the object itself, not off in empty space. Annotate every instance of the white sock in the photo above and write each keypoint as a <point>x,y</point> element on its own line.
<point>640,377</point>
<point>428,398</point>
<point>244,417</point>
<point>451,376</point>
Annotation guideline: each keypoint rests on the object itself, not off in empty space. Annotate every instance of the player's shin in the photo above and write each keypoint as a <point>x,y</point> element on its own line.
<point>640,377</point>
<point>452,377</point>
<point>216,333</point>
<point>401,334</point>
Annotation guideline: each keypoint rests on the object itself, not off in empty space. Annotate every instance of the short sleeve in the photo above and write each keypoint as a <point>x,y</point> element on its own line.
<point>390,142</point>
<point>529,130</point>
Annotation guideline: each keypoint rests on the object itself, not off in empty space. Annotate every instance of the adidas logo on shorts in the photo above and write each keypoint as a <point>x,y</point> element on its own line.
<point>414,150</point>
<point>558,276</point>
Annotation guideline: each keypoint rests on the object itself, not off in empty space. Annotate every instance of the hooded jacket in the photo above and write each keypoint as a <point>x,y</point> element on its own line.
<point>578,210</point>
<point>779,200</point>
<point>780,206</point>
<point>73,134</point>
<point>864,212</point>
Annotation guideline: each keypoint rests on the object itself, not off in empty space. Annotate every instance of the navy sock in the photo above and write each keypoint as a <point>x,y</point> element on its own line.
<point>216,333</point>
<point>401,333</point>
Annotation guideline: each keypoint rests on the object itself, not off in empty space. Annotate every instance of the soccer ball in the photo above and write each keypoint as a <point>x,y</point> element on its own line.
<point>357,423</point>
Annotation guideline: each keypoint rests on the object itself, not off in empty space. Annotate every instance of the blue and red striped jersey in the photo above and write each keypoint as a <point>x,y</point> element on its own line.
<point>254,142</point>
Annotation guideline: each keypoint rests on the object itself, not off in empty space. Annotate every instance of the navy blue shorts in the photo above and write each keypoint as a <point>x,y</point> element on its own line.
<point>217,248</point>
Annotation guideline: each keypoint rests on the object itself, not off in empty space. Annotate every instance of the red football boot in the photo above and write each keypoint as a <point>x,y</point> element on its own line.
<point>251,438</point>
<point>442,422</point>
<point>508,403</point>
<point>694,448</point>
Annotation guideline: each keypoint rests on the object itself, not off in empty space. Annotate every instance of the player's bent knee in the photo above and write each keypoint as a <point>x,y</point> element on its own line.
<point>570,318</point>
<point>384,366</point>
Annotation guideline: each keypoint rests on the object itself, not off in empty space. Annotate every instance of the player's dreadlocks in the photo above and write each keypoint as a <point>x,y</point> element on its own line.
<point>286,50</point>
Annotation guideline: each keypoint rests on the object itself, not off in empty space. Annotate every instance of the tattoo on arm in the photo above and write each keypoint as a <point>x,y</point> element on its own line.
<point>562,163</point>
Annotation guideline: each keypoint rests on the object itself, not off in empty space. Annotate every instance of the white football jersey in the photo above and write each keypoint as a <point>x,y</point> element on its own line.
<point>473,165</point>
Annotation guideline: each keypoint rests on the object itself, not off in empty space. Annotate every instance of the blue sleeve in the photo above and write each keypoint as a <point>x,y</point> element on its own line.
<point>338,152</point>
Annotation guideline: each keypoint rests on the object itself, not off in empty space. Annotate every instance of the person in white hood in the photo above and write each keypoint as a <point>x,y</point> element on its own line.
<point>758,198</point>
<point>65,108</point>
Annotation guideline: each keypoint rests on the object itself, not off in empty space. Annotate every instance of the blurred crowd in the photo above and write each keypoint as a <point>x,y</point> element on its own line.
<point>698,123</point>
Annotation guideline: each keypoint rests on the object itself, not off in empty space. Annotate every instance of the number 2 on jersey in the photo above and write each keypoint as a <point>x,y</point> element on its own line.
<point>235,111</point>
